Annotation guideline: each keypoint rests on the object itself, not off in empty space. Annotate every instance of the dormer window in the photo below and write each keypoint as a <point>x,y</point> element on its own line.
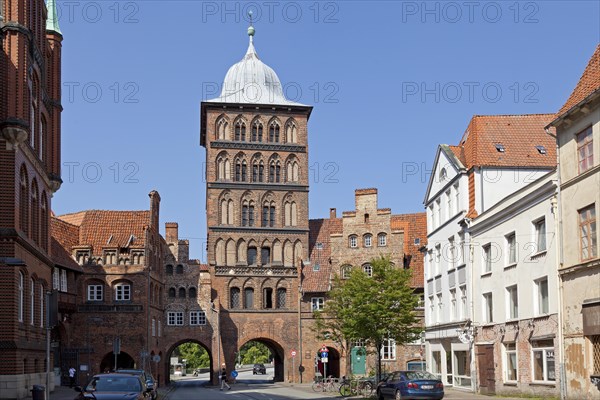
<point>500,148</point>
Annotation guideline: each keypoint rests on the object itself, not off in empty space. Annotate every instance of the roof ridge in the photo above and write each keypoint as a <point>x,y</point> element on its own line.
<point>64,222</point>
<point>511,115</point>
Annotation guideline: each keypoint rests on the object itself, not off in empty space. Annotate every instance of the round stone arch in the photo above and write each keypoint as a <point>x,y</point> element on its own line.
<point>165,361</point>
<point>280,369</point>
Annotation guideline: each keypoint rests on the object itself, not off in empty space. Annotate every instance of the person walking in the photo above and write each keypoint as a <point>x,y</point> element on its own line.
<point>71,377</point>
<point>224,378</point>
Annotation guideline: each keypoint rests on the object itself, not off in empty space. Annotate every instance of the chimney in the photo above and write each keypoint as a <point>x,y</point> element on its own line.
<point>154,209</point>
<point>171,232</point>
<point>332,213</point>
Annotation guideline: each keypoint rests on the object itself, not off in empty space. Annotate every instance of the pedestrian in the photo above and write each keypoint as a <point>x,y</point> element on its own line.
<point>71,376</point>
<point>224,378</point>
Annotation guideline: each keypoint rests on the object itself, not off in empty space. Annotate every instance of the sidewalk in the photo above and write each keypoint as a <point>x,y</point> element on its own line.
<point>67,393</point>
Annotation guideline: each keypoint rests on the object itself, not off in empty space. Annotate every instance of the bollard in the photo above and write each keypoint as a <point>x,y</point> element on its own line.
<point>38,392</point>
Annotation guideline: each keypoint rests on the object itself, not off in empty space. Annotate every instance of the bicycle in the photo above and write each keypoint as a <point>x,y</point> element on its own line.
<point>330,384</point>
<point>352,387</point>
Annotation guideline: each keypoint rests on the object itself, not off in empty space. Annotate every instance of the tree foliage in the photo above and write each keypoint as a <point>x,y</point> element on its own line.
<point>255,352</point>
<point>195,355</point>
<point>372,308</point>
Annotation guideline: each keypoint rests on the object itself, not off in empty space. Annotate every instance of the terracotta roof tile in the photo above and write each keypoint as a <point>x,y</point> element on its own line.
<point>517,134</point>
<point>459,153</point>
<point>96,227</point>
<point>64,237</point>
<point>588,83</point>
<point>319,233</point>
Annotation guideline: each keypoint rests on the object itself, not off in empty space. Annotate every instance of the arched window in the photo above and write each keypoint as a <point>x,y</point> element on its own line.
<point>291,132</point>
<point>346,271</point>
<point>274,132</point>
<point>24,201</point>
<point>281,297</point>
<point>368,240</point>
<point>248,298</point>
<point>42,302</point>
<point>292,171</point>
<point>353,241</point>
<point>192,293</point>
<point>169,269</point>
<point>223,168</point>
<point>234,297</point>
<point>268,217</point>
<point>32,301</point>
<point>240,131</point>
<point>35,215</point>
<point>220,253</point>
<point>257,131</point>
<point>44,221</point>
<point>222,129</point>
<point>122,291</point>
<point>21,298</point>
<point>382,240</point>
<point>290,211</point>
<point>244,171</point>
<point>172,292</point>
<point>275,172</point>
<point>251,255</point>
<point>179,269</point>
<point>368,269</point>
<point>42,130</point>
<point>182,293</point>
<point>443,174</point>
<point>247,213</point>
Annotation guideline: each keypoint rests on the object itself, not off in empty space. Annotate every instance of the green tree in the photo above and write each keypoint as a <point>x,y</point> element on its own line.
<point>255,352</point>
<point>194,354</point>
<point>372,308</point>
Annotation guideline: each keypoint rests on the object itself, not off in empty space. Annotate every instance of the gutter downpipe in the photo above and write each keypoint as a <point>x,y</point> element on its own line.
<point>557,206</point>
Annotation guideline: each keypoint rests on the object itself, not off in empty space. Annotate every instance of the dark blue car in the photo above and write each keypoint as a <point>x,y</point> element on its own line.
<point>411,385</point>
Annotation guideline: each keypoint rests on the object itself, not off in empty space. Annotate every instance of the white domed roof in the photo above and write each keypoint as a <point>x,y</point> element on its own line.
<point>251,81</point>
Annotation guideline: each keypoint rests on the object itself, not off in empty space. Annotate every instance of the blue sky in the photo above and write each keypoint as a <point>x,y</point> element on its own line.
<point>389,81</point>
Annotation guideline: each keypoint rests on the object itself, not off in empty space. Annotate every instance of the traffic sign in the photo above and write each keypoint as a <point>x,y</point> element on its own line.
<point>293,353</point>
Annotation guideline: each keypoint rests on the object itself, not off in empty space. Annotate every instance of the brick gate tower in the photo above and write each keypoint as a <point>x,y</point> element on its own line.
<point>257,210</point>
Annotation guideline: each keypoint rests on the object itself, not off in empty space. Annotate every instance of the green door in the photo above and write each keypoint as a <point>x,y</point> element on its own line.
<point>358,356</point>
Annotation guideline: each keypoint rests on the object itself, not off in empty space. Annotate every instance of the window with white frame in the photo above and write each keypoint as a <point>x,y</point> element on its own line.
<point>452,253</point>
<point>460,248</point>
<point>542,356</point>
<point>153,327</point>
<point>94,292</point>
<point>63,280</point>
<point>368,269</point>
<point>368,240</point>
<point>438,208</point>
<point>438,256</point>
<point>511,249</point>
<point>432,310</point>
<point>122,292</point>
<point>353,241</point>
<point>430,264</point>
<point>317,303</point>
<point>453,305</point>
<point>456,199</point>
<point>487,258</point>
<point>175,318</point>
<point>430,219</point>
<point>388,350</point>
<point>55,278</point>
<point>540,234</point>
<point>463,302</point>
<point>382,240</point>
<point>488,311</point>
<point>439,307</point>
<point>541,288</point>
<point>510,362</point>
<point>449,208</point>
<point>346,271</point>
<point>197,318</point>
<point>587,233</point>
<point>512,301</point>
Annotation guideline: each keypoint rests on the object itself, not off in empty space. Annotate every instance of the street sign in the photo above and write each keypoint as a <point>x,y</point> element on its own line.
<point>234,374</point>
<point>293,353</point>
<point>324,360</point>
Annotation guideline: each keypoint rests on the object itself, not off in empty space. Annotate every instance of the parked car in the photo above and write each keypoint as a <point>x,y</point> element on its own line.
<point>114,386</point>
<point>259,369</point>
<point>146,377</point>
<point>408,385</point>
